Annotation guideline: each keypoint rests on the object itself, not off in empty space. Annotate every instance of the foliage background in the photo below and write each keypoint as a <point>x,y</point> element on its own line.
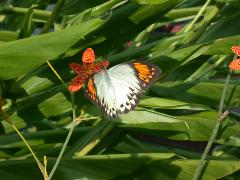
<point>164,137</point>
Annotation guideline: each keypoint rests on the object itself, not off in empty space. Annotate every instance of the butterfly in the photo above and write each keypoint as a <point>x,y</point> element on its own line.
<point>235,64</point>
<point>117,90</point>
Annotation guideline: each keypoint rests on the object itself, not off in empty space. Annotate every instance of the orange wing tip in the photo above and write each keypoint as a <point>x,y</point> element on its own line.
<point>235,64</point>
<point>236,50</point>
<point>88,56</point>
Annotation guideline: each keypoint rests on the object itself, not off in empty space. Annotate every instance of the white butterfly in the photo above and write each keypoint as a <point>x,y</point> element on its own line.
<point>119,89</point>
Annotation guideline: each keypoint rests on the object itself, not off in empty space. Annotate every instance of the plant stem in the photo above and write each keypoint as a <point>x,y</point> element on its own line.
<point>43,14</point>
<point>62,151</point>
<point>221,117</point>
<point>73,107</point>
<point>197,16</point>
<point>66,141</point>
<point>41,167</point>
<point>56,73</point>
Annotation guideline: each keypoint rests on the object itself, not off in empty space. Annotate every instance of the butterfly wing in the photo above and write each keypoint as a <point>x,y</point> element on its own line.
<point>120,88</point>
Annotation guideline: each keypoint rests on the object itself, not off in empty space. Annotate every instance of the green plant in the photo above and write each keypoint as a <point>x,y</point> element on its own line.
<point>163,138</point>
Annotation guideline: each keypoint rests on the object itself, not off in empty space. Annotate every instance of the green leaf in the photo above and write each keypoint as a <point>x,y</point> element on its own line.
<point>122,166</point>
<point>164,103</point>
<point>162,2</point>
<point>21,56</point>
<point>145,116</point>
<point>8,36</point>
<point>145,12</point>
<point>201,92</point>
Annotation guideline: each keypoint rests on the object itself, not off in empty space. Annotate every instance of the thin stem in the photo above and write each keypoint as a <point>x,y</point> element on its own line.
<point>66,141</point>
<point>73,107</point>
<point>45,168</point>
<point>220,111</point>
<point>8,120</point>
<point>197,16</point>
<point>41,167</point>
<point>221,117</point>
<point>78,120</point>
<point>62,151</point>
<point>56,73</point>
